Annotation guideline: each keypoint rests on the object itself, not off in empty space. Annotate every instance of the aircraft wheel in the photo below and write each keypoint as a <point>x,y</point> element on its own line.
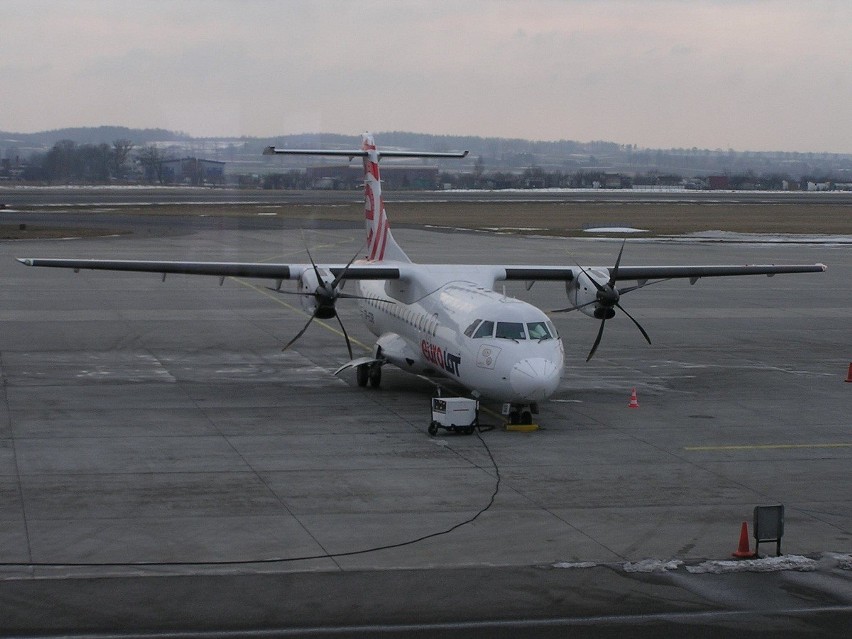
<point>526,417</point>
<point>375,375</point>
<point>362,373</point>
<point>433,428</point>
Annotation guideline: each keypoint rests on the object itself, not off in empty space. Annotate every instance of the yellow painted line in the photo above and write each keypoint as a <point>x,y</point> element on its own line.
<point>765,447</point>
<point>277,298</point>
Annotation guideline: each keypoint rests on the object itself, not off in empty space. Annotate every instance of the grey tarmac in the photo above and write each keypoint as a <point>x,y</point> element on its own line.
<point>165,467</point>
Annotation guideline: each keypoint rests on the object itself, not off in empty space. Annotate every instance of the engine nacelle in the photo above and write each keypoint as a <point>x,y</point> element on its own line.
<point>317,296</point>
<point>584,295</point>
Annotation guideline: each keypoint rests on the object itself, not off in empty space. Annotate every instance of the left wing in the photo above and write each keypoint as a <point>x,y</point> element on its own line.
<point>646,273</point>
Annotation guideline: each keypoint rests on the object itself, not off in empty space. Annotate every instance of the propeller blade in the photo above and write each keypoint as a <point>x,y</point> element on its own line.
<point>350,296</point>
<point>614,273</point>
<point>314,264</point>
<point>278,290</point>
<point>628,289</point>
<point>343,272</point>
<point>597,340</point>
<point>573,308</point>
<point>302,332</point>
<point>638,325</point>
<point>345,335</point>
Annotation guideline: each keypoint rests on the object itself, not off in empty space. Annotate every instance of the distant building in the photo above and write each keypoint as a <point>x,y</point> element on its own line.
<point>616,181</point>
<point>193,171</point>
<point>351,176</point>
<point>819,186</point>
<point>718,182</point>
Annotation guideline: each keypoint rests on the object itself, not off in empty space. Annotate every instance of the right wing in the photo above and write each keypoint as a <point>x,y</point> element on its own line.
<point>221,269</point>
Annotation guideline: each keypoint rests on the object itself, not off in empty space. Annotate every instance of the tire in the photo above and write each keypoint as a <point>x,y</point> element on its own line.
<point>375,375</point>
<point>433,428</point>
<point>362,374</point>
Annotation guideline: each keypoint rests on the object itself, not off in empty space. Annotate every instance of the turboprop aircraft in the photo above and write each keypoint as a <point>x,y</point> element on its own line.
<point>445,319</point>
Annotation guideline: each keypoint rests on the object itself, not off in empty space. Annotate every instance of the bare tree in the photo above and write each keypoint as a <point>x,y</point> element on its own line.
<point>151,159</point>
<point>121,149</point>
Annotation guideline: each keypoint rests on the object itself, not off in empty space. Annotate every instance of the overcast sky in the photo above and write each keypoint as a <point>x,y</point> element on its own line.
<point>745,74</point>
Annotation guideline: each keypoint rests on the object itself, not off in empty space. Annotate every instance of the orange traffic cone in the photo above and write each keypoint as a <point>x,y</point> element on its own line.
<point>849,374</point>
<point>634,401</point>
<point>743,551</point>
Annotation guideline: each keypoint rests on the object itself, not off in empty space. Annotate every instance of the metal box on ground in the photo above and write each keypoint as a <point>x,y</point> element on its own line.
<point>458,414</point>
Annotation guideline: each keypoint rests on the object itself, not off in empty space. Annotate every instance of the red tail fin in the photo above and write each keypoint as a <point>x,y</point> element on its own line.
<point>380,242</point>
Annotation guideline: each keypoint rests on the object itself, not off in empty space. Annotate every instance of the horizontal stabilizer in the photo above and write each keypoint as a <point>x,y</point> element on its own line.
<point>361,153</point>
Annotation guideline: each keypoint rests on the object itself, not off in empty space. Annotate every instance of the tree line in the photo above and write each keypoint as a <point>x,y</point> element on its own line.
<point>69,162</point>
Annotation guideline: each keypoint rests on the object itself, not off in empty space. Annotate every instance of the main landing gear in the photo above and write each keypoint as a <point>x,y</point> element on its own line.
<point>371,373</point>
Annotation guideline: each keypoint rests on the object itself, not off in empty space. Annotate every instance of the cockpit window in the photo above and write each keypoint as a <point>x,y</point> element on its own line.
<point>486,329</point>
<point>538,330</point>
<point>469,330</point>
<point>510,330</point>
<point>552,328</point>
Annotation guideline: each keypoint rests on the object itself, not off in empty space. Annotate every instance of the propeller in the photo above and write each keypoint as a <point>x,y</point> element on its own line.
<point>606,301</point>
<point>326,295</point>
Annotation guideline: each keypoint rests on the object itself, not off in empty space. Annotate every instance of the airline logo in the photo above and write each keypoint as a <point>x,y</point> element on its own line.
<point>440,358</point>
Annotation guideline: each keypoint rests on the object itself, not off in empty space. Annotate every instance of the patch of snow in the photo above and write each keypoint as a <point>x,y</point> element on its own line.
<point>574,564</point>
<point>769,564</point>
<point>758,238</point>
<point>652,565</point>
<point>614,229</point>
<point>844,562</point>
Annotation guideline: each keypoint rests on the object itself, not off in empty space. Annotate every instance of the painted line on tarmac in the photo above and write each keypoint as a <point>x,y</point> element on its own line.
<point>765,447</point>
<point>277,298</point>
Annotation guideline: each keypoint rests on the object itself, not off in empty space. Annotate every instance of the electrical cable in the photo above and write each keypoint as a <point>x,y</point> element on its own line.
<point>278,560</point>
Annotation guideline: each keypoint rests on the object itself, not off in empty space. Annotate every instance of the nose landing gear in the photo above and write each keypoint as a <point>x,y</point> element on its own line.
<point>520,414</point>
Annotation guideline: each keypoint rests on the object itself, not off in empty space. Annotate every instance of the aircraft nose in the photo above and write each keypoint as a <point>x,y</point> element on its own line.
<point>535,379</point>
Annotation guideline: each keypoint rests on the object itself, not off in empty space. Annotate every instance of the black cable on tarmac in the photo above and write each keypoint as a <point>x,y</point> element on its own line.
<point>279,560</point>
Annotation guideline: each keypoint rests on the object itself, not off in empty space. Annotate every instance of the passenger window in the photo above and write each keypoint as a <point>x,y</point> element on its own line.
<point>486,329</point>
<point>538,330</point>
<point>469,330</point>
<point>510,330</point>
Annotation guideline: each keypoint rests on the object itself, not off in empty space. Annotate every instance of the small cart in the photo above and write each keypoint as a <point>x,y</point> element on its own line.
<point>457,414</point>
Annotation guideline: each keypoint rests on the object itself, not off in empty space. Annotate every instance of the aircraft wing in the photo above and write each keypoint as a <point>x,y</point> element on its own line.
<point>221,269</point>
<point>528,273</point>
<point>646,273</point>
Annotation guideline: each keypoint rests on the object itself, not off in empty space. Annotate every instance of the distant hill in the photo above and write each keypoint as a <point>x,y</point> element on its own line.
<point>89,135</point>
<point>488,155</point>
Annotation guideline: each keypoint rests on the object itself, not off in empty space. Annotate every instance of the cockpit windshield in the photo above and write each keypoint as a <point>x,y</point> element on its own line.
<point>538,330</point>
<point>486,329</point>
<point>479,329</point>
<point>510,330</point>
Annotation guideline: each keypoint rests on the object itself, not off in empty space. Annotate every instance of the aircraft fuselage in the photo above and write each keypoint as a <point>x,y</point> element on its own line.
<point>496,346</point>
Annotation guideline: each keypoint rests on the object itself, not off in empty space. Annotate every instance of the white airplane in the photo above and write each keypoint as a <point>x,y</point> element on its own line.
<point>445,319</point>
